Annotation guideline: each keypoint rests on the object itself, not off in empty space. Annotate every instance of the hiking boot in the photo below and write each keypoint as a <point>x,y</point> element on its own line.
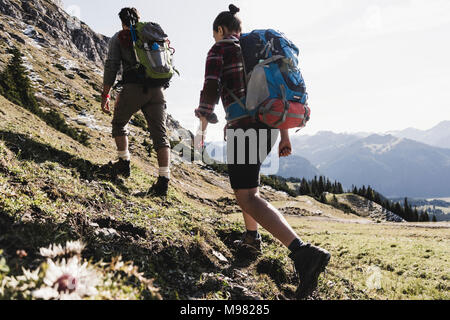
<point>121,167</point>
<point>113,169</point>
<point>249,246</point>
<point>160,188</point>
<point>309,261</point>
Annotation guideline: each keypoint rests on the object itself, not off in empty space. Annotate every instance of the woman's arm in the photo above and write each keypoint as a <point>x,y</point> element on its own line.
<point>210,94</point>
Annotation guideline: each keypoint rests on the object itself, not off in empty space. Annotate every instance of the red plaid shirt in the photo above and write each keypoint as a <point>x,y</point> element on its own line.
<point>224,69</point>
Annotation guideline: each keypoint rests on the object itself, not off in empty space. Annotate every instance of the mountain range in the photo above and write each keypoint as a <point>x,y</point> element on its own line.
<point>397,164</point>
<point>438,136</point>
<point>394,166</point>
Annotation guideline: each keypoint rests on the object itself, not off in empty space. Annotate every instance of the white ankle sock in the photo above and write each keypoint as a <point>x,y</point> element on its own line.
<point>164,172</point>
<point>124,155</point>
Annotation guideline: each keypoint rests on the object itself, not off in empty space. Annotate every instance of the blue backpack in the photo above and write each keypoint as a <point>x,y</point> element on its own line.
<point>276,91</point>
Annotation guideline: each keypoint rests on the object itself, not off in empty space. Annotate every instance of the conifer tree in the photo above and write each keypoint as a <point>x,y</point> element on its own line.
<point>369,193</point>
<point>377,198</point>
<point>363,191</point>
<point>398,210</point>
<point>424,217</point>
<point>15,84</point>
<point>321,187</point>
<point>305,188</point>
<point>340,188</point>
<point>314,187</point>
<point>406,209</point>
<point>323,198</point>
<point>329,187</point>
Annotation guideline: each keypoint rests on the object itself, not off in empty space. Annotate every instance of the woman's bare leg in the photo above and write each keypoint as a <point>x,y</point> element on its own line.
<point>266,215</point>
<point>250,223</point>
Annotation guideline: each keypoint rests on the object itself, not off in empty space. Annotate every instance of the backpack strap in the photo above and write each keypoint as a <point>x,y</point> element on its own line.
<point>268,48</point>
<point>235,98</point>
<point>239,101</point>
<point>286,107</point>
<point>228,41</point>
<point>271,59</point>
<point>266,110</point>
<point>282,115</point>
<point>237,43</point>
<point>134,39</point>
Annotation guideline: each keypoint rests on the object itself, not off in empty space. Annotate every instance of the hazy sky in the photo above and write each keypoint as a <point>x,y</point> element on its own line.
<point>369,65</point>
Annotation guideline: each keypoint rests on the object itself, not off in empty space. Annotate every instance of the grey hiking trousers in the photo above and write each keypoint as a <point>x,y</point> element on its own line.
<point>153,105</point>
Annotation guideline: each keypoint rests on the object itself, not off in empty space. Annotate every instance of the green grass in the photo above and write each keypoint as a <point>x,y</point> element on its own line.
<point>180,234</point>
<point>414,262</point>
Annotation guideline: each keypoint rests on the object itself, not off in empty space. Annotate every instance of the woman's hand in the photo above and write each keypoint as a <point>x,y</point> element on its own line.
<point>199,140</point>
<point>200,137</point>
<point>285,148</point>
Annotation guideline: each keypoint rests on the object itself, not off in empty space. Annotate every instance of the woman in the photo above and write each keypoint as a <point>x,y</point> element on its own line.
<point>225,77</point>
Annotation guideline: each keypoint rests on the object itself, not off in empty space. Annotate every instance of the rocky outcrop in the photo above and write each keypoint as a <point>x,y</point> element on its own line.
<point>56,24</point>
<point>367,208</point>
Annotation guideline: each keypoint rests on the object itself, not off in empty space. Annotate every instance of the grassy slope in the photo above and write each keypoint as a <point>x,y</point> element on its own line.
<point>48,193</point>
<point>46,189</point>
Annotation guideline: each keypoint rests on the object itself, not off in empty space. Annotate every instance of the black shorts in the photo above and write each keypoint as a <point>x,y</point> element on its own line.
<point>247,149</point>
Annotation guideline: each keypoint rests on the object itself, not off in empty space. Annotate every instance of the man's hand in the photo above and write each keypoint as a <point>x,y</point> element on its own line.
<point>105,100</point>
<point>105,106</point>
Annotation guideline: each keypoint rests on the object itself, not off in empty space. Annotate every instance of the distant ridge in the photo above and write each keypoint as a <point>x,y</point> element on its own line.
<point>438,136</point>
<point>394,163</point>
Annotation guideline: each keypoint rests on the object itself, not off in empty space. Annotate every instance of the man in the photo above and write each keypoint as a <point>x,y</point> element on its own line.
<point>138,93</point>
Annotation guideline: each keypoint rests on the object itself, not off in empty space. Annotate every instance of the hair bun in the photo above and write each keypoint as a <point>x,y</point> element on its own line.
<point>233,9</point>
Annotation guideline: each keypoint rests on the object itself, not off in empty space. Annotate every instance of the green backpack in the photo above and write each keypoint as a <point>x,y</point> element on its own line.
<point>153,51</point>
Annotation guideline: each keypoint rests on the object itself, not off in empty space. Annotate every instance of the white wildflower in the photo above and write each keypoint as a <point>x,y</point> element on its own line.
<point>75,247</point>
<point>53,251</point>
<point>31,275</point>
<point>46,293</point>
<point>12,282</point>
<point>56,250</point>
<point>68,281</point>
